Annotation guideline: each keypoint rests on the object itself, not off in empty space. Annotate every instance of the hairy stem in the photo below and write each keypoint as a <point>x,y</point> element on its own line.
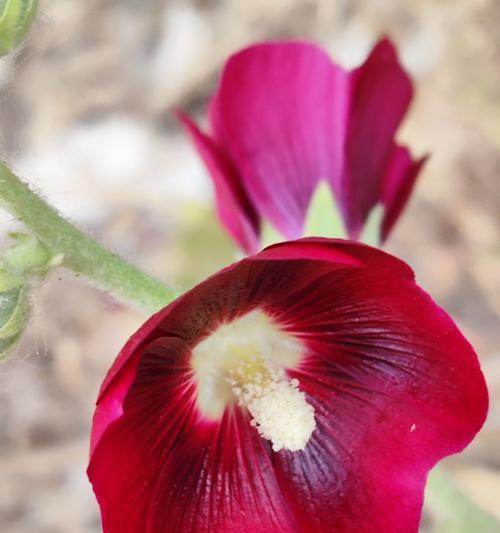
<point>79,252</point>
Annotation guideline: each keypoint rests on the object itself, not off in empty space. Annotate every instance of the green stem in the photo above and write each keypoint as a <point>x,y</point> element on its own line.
<point>78,252</point>
<point>453,511</point>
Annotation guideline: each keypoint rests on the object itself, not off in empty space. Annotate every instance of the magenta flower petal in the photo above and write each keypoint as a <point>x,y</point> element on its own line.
<point>400,176</point>
<point>392,384</point>
<point>285,117</point>
<point>381,92</point>
<point>233,206</point>
<point>280,113</point>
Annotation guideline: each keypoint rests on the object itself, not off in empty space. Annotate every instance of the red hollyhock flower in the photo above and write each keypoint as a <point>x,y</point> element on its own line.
<point>309,388</point>
<point>286,117</point>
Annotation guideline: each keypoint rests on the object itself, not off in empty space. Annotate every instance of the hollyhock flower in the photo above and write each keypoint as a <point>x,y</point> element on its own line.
<point>285,118</point>
<point>309,388</point>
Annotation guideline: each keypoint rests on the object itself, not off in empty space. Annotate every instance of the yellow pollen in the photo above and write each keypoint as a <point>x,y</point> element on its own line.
<point>279,409</point>
<point>244,362</point>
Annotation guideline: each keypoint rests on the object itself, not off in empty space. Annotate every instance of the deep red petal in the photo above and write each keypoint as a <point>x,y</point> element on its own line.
<point>340,252</point>
<point>381,92</point>
<point>400,177</point>
<point>394,384</point>
<point>395,388</point>
<point>121,375</point>
<point>280,113</point>
<point>234,208</point>
<point>161,467</point>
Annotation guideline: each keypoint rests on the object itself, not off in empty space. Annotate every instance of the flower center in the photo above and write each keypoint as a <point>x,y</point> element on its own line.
<point>244,362</point>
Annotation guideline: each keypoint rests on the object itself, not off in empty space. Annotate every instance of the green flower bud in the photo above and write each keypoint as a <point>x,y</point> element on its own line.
<point>14,309</point>
<point>29,256</point>
<point>15,19</point>
<point>24,263</point>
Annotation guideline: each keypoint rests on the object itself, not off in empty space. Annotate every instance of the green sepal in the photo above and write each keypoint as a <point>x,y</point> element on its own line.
<point>269,235</point>
<point>15,19</point>
<point>371,229</point>
<point>323,218</point>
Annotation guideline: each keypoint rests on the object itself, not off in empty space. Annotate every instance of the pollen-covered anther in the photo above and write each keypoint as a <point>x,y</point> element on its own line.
<point>279,409</point>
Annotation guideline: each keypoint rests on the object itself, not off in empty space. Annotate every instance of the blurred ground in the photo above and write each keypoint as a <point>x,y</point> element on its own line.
<point>85,115</point>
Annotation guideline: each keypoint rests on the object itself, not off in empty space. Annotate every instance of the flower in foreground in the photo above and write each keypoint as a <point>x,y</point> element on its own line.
<point>285,118</point>
<point>310,387</point>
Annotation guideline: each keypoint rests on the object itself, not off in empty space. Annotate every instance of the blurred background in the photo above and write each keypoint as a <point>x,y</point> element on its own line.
<point>86,117</point>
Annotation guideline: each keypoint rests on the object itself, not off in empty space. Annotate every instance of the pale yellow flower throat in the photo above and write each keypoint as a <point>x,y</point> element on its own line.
<point>244,362</point>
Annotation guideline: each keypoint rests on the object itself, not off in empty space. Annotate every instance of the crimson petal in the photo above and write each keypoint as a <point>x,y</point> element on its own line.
<point>394,385</point>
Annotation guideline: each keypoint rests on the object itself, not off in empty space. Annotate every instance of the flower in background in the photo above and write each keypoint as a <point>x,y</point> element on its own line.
<point>285,118</point>
<point>310,387</point>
